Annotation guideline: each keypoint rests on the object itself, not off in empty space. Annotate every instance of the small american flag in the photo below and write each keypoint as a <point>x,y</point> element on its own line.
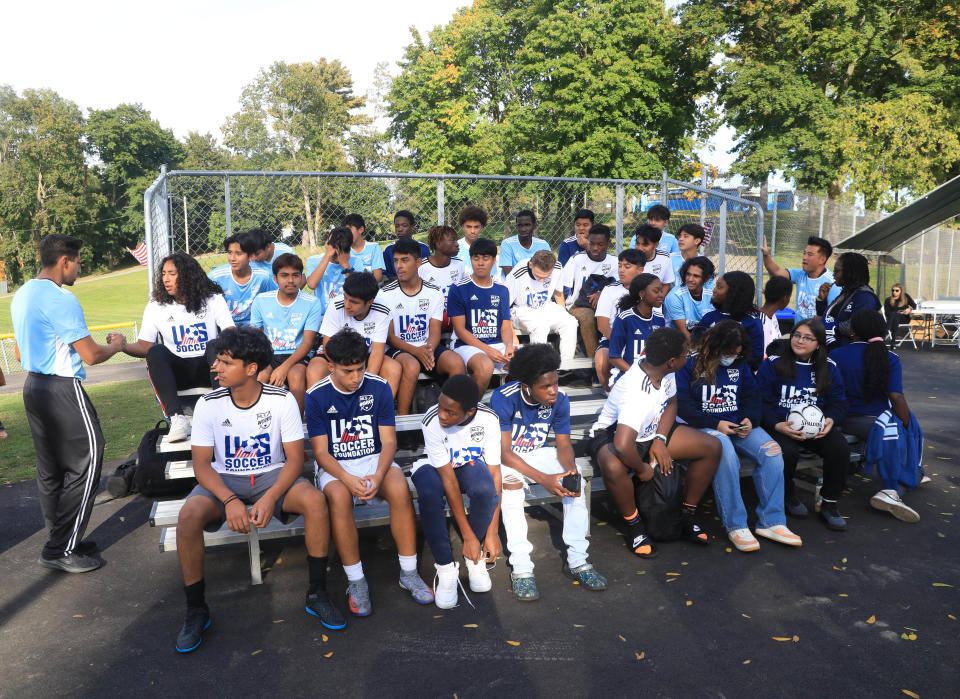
<point>707,227</point>
<point>140,252</point>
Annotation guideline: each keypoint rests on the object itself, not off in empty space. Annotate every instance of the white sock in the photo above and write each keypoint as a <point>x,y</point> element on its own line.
<point>408,564</point>
<point>354,572</point>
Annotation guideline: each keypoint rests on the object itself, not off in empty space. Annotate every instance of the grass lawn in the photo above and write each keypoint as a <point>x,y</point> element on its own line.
<point>126,409</point>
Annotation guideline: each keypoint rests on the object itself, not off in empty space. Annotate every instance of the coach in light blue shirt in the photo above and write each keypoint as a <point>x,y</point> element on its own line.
<point>54,342</point>
<point>812,275</point>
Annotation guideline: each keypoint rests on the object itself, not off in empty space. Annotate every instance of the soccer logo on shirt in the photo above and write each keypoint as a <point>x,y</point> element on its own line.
<point>188,337</point>
<point>247,453</point>
<point>366,402</point>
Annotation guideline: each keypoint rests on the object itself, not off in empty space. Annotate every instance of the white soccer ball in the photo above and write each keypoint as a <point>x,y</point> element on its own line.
<point>808,419</point>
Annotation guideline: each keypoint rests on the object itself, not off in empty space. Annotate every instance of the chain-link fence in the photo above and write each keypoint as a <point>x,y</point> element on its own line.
<point>10,364</point>
<point>195,211</point>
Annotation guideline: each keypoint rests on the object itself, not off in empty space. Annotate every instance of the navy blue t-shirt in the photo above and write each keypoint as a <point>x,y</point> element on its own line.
<point>837,324</point>
<point>732,396</point>
<point>389,270</point>
<point>850,361</point>
<point>483,309</point>
<point>568,248</point>
<point>629,334</point>
<point>529,424</point>
<point>780,396</point>
<point>351,421</point>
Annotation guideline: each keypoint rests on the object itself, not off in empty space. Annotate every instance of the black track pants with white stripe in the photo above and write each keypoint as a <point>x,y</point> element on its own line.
<point>69,446</point>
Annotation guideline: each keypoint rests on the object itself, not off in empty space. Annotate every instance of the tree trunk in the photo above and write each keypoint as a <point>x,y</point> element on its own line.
<point>310,238</point>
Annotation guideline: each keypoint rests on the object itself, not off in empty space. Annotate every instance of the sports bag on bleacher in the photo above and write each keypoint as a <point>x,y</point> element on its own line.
<point>151,477</point>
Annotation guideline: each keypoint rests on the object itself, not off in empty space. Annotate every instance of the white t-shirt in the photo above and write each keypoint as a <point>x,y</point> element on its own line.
<point>247,440</point>
<point>443,277</point>
<point>183,333</point>
<point>411,315</point>
<point>526,291</point>
<point>609,298</point>
<point>460,444</point>
<point>580,266</point>
<point>771,330</point>
<point>636,403</point>
<point>662,267</point>
<point>373,326</point>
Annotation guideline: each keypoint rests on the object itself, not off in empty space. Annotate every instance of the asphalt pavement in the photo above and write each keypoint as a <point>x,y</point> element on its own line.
<point>869,612</point>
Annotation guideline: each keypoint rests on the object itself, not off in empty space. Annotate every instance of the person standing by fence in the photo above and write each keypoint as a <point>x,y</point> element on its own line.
<point>54,343</point>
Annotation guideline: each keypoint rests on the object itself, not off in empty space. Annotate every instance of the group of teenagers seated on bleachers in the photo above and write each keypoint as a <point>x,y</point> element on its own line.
<point>694,372</point>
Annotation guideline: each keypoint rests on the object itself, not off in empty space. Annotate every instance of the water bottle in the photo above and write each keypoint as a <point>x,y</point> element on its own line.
<point>817,498</point>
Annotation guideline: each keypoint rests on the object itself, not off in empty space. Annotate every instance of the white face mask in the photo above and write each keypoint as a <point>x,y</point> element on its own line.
<point>728,361</point>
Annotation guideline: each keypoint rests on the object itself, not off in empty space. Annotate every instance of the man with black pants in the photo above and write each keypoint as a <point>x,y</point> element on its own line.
<point>54,342</point>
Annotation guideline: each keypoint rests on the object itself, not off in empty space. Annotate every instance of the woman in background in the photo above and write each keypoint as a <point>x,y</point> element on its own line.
<point>897,309</point>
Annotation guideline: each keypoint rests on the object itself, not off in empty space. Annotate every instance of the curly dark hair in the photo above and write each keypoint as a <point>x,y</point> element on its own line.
<point>194,287</point>
<point>437,232</point>
<point>722,339</point>
<point>346,347</point>
<point>246,343</point>
<point>532,361</point>
<point>740,291</point>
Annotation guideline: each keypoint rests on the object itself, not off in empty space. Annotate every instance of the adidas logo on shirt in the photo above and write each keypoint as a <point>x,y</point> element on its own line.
<point>226,423</point>
<point>331,409</point>
<point>474,298</point>
<point>170,319</point>
<point>399,306</point>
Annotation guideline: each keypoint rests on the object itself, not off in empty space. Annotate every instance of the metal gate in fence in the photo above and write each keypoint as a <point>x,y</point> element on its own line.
<point>194,211</point>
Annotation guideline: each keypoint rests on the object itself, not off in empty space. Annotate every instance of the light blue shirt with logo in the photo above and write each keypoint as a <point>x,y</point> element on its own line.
<point>284,325</point>
<point>47,320</point>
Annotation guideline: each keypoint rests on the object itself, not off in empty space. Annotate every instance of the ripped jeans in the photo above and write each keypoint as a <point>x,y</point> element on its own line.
<point>767,478</point>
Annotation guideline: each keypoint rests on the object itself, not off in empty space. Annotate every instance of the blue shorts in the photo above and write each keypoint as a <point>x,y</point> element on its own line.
<point>604,344</point>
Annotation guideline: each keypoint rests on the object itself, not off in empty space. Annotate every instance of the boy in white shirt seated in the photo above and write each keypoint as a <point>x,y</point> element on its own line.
<point>538,307</point>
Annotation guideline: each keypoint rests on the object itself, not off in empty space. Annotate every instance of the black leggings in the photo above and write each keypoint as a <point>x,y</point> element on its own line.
<point>832,447</point>
<point>170,373</point>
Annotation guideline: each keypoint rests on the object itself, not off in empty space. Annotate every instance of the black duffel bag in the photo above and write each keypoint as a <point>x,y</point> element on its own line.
<point>660,502</point>
<point>150,479</point>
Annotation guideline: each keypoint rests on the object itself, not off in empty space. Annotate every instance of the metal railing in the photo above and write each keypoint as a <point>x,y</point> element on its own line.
<point>195,211</point>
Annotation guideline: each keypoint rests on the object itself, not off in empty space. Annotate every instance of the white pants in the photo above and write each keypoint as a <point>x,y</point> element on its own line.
<point>468,352</point>
<point>576,519</point>
<point>550,317</point>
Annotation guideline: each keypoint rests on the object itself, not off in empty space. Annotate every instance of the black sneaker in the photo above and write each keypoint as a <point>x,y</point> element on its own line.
<point>71,563</point>
<point>831,516</point>
<point>319,604</point>
<point>795,508</point>
<point>87,548</point>
<point>194,624</point>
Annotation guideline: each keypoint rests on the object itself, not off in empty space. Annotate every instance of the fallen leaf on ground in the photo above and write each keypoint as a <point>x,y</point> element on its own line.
<point>843,560</point>
<point>673,573</point>
<point>872,619</point>
<point>438,616</point>
<point>78,616</point>
<point>620,636</point>
<point>641,655</point>
<point>795,639</point>
<point>689,603</point>
<point>259,650</point>
<point>746,662</point>
<point>514,643</point>
<point>941,585</point>
<point>729,550</point>
<point>579,626</point>
<point>471,626</point>
<point>327,655</point>
<point>843,594</point>
<point>745,616</point>
<point>952,617</point>
<point>780,638</point>
<point>910,694</point>
<point>324,637</point>
<point>941,535</point>
<point>278,621</point>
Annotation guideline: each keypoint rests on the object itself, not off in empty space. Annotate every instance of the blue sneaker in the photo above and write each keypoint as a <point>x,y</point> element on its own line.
<point>413,583</point>
<point>358,598</point>
<point>589,578</point>
<point>320,606</point>
<point>196,622</point>
<point>524,588</point>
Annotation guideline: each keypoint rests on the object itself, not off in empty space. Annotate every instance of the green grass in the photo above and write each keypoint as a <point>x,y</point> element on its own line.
<point>126,409</point>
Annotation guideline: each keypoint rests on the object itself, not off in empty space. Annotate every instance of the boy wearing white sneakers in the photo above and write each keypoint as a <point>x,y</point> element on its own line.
<point>463,456</point>
<point>528,409</point>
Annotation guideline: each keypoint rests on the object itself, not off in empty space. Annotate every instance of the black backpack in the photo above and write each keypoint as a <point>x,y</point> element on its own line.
<point>150,479</point>
<point>660,500</point>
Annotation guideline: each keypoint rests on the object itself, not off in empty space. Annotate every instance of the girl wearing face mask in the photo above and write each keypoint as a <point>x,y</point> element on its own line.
<point>716,392</point>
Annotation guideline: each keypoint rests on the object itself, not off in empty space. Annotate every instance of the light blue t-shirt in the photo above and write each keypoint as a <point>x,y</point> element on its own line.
<point>280,249</point>
<point>677,259</point>
<point>464,255</point>
<point>331,284</point>
<point>668,243</point>
<point>680,304</point>
<point>47,319</point>
<point>371,256</point>
<point>239,297</point>
<point>512,253</point>
<point>808,289</point>
<point>284,325</point>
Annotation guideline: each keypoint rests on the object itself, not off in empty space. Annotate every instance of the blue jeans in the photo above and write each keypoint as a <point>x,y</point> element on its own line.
<point>767,478</point>
<point>475,480</point>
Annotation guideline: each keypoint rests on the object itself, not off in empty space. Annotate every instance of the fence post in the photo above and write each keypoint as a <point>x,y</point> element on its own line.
<point>703,196</point>
<point>664,193</point>
<point>440,197</point>
<point>903,265</point>
<point>186,226</point>
<point>773,232</point>
<point>759,284</point>
<point>619,217</point>
<point>936,265</point>
<point>820,231</point>
<point>722,240</point>
<point>853,228</point>
<point>226,205</point>
<point>6,363</point>
<point>920,266</point>
<point>953,235</point>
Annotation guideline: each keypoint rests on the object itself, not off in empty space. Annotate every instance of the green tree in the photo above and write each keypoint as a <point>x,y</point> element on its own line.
<point>45,185</point>
<point>795,75</point>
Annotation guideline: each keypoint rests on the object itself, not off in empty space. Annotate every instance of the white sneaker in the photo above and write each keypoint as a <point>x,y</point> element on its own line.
<point>179,428</point>
<point>889,501</point>
<point>479,577</point>
<point>925,480</point>
<point>743,540</point>
<point>445,585</point>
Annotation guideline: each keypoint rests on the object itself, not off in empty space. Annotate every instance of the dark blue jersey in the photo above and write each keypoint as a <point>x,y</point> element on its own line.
<point>850,361</point>
<point>568,248</point>
<point>529,424</point>
<point>780,396</point>
<point>732,395</point>
<point>351,421</point>
<point>483,308</point>
<point>389,270</point>
<point>629,334</point>
<point>836,318</point>
<point>752,324</point>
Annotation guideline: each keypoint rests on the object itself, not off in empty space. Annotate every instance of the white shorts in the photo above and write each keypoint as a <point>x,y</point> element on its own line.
<point>362,467</point>
<point>468,352</point>
<point>543,459</point>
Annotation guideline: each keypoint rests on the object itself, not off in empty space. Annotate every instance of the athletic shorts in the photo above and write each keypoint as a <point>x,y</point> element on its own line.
<point>604,344</point>
<point>249,492</point>
<point>468,352</point>
<point>393,353</point>
<point>602,436</point>
<point>362,467</point>
<point>279,359</point>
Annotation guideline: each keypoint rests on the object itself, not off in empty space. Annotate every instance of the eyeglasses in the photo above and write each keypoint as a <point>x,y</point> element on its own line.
<point>894,290</point>
<point>803,338</point>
